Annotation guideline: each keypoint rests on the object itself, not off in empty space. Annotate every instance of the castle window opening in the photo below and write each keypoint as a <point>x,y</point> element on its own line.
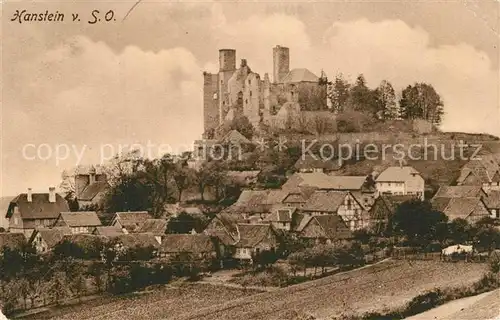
<point>250,93</point>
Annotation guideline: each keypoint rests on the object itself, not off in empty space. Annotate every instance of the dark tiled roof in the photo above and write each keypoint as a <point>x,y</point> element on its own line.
<point>108,231</point>
<point>52,236</point>
<point>132,220</point>
<point>393,201</point>
<point>325,201</point>
<point>137,240</point>
<point>85,240</point>
<point>11,240</point>
<point>81,219</point>
<point>154,226</point>
<point>93,190</point>
<point>461,207</point>
<point>459,192</point>
<point>191,243</point>
<point>257,201</point>
<point>39,207</point>
<point>333,226</point>
<point>250,235</point>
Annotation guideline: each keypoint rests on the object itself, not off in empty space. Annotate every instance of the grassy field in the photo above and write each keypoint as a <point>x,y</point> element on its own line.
<point>385,285</point>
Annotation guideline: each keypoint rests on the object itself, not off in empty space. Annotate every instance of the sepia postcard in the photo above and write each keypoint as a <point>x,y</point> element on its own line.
<point>250,160</point>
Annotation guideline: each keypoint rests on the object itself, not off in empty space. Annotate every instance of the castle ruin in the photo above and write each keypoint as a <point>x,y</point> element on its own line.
<point>233,92</point>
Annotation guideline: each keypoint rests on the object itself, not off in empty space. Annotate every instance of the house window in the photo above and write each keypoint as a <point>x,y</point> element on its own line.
<point>389,184</point>
<point>249,81</point>
<point>250,93</point>
<point>246,101</point>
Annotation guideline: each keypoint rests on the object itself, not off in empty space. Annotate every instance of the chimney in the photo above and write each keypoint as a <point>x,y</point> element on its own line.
<point>30,195</point>
<point>243,63</point>
<point>52,195</point>
<point>92,173</point>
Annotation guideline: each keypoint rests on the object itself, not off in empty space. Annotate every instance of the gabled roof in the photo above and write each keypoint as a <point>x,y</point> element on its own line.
<point>459,192</point>
<point>154,226</point>
<point>80,219</point>
<point>51,236</point>
<point>493,200</point>
<point>310,162</point>
<point>188,243</point>
<point>235,137</point>
<point>137,240</point>
<point>461,207</point>
<point>85,240</point>
<point>300,75</point>
<point>397,174</point>
<point>332,226</point>
<point>93,190</point>
<point>484,168</point>
<point>392,202</point>
<point>39,207</point>
<point>108,231</point>
<point>281,214</point>
<point>131,220</point>
<point>325,201</point>
<point>250,235</point>
<point>11,240</point>
<point>257,201</point>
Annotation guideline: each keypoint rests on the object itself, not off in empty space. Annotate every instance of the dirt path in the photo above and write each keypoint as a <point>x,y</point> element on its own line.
<point>485,306</point>
<point>386,285</point>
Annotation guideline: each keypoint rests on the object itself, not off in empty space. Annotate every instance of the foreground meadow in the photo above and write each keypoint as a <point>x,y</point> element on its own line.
<point>388,284</point>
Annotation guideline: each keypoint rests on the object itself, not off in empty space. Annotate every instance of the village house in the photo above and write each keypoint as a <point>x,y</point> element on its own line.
<point>383,208</point>
<point>253,239</point>
<point>493,203</point>
<point>257,204</point>
<point>325,229</point>
<point>308,163</point>
<point>108,231</point>
<point>11,241</point>
<point>402,180</point>
<point>340,203</point>
<point>78,222</point>
<point>296,199</point>
<point>224,227</point>
<point>282,218</point>
<point>361,187</point>
<point>483,171</point>
<point>156,227</point>
<point>130,221</point>
<point>29,211</point>
<point>177,247</point>
<point>471,209</point>
<point>90,186</point>
<point>124,243</point>
<point>44,239</point>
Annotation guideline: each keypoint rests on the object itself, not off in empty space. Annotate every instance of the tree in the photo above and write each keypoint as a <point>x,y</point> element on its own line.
<point>418,221</point>
<point>386,101</point>
<point>183,177</point>
<point>421,101</point>
<point>361,98</point>
<point>339,93</point>
<point>459,231</point>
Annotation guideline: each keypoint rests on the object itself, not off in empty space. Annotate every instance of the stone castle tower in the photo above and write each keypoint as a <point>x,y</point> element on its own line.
<point>233,92</point>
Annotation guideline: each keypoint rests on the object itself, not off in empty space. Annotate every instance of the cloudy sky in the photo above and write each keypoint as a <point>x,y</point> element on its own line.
<point>90,88</point>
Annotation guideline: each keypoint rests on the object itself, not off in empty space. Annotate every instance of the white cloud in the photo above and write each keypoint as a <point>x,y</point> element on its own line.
<point>83,92</point>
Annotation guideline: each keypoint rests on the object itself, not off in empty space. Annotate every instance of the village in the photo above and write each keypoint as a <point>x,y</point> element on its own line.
<point>267,218</point>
